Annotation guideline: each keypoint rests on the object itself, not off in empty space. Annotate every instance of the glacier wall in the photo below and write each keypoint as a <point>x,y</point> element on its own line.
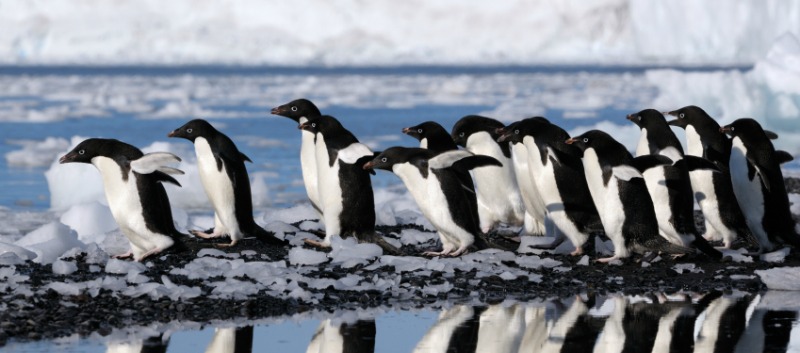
<point>357,32</point>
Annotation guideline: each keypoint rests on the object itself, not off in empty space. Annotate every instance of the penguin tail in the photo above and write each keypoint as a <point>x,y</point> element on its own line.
<point>266,237</point>
<point>657,243</point>
<point>378,240</point>
<point>482,242</point>
<point>702,244</point>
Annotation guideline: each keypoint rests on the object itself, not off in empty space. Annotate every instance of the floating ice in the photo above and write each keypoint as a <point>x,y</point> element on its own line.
<point>36,153</point>
<point>781,278</point>
<point>90,220</point>
<point>50,241</point>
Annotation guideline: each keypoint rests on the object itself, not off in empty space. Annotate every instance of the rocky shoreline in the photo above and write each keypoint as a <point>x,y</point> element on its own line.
<point>45,313</point>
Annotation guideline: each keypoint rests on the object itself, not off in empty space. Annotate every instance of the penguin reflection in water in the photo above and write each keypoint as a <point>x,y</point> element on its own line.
<point>224,177</point>
<point>133,186</point>
<point>434,181</point>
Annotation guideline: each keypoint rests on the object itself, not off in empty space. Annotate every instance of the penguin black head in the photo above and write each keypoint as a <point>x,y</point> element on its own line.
<point>648,119</point>
<point>746,129</point>
<point>516,131</point>
<point>194,129</point>
<point>321,124</point>
<point>297,109</point>
<point>471,124</point>
<point>394,155</point>
<point>689,115</point>
<point>425,130</point>
<point>96,147</point>
<point>591,139</point>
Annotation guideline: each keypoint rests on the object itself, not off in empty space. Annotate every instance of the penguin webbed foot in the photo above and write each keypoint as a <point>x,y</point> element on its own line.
<point>127,255</point>
<point>316,244</point>
<point>225,246</point>
<point>208,234</point>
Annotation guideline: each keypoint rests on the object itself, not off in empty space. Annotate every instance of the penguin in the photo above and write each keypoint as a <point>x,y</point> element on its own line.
<point>431,136</point>
<point>556,169</point>
<point>224,177</point>
<point>300,110</point>
<point>759,186</point>
<point>669,185</point>
<point>535,221</point>
<point>713,191</point>
<point>132,182</point>
<point>153,344</point>
<point>499,200</point>
<point>345,188</point>
<point>620,195</point>
<point>434,182</point>
<point>575,330</point>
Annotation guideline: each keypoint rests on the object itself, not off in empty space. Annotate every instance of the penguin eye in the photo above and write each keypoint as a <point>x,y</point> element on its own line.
<point>516,131</point>
<point>189,130</point>
<point>585,139</point>
<point>384,159</point>
<point>732,128</point>
<point>680,115</point>
<point>294,108</point>
<point>419,131</point>
<point>81,152</point>
<point>313,124</point>
<point>461,134</point>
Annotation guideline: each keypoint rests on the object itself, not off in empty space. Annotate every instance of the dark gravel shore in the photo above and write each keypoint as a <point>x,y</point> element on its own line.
<point>53,315</point>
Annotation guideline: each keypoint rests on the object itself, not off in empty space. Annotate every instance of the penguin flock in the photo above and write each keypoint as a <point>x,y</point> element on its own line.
<point>530,174</point>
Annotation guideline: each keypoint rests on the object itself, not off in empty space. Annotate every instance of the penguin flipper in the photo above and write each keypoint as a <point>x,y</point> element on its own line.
<point>164,178</point>
<point>154,161</point>
<point>755,170</point>
<point>245,157</point>
<point>562,158</point>
<point>626,173</point>
<point>771,135</point>
<point>643,163</point>
<point>783,157</point>
<point>354,152</point>
<point>697,163</point>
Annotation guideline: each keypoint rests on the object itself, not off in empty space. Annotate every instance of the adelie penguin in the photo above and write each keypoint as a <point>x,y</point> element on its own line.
<point>620,195</point>
<point>555,167</point>
<point>345,188</point>
<point>499,200</point>
<point>669,185</point>
<point>225,180</point>
<point>431,136</point>
<point>434,182</point>
<point>133,186</point>
<point>759,186</point>
<point>713,190</point>
<point>300,110</point>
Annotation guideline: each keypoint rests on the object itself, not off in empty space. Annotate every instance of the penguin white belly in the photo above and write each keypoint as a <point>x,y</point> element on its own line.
<point>219,189</point>
<point>694,144</point>
<point>666,326</point>
<point>706,196</point>
<point>534,205</point>
<point>224,341</point>
<point>496,188</point>
<point>430,198</point>
<point>612,338</point>
<point>614,217</point>
<point>545,178</point>
<point>330,191</point>
<point>643,147</point>
<point>308,165</point>
<point>126,207</point>
<point>558,333</point>
<point>594,179</point>
<point>329,339</point>
<point>438,337</point>
<point>657,188</point>
<point>748,193</point>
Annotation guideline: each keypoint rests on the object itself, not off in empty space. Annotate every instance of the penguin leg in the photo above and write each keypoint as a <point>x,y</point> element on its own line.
<point>608,259</point>
<point>126,255</point>
<point>204,235</point>
<point>447,247</point>
<point>232,243</point>
<point>317,244</point>
<point>460,251</point>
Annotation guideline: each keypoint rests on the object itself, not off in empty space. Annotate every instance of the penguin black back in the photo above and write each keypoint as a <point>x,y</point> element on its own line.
<point>716,146</point>
<point>471,124</point>
<point>436,137</point>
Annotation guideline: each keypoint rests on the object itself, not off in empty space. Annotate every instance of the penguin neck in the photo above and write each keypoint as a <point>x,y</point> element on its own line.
<point>643,147</point>
<point>694,144</point>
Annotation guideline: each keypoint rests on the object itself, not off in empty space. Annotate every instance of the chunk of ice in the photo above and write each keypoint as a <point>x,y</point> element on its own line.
<point>300,256</point>
<point>61,267</point>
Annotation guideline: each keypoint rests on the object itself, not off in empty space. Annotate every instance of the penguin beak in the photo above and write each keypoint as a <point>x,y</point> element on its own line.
<point>66,158</point>
<point>407,131</point>
<point>675,122</point>
<point>571,141</point>
<point>275,111</point>
<point>173,133</point>
<point>368,166</point>
<point>633,118</point>
<point>303,126</point>
<point>725,129</point>
<point>503,136</point>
